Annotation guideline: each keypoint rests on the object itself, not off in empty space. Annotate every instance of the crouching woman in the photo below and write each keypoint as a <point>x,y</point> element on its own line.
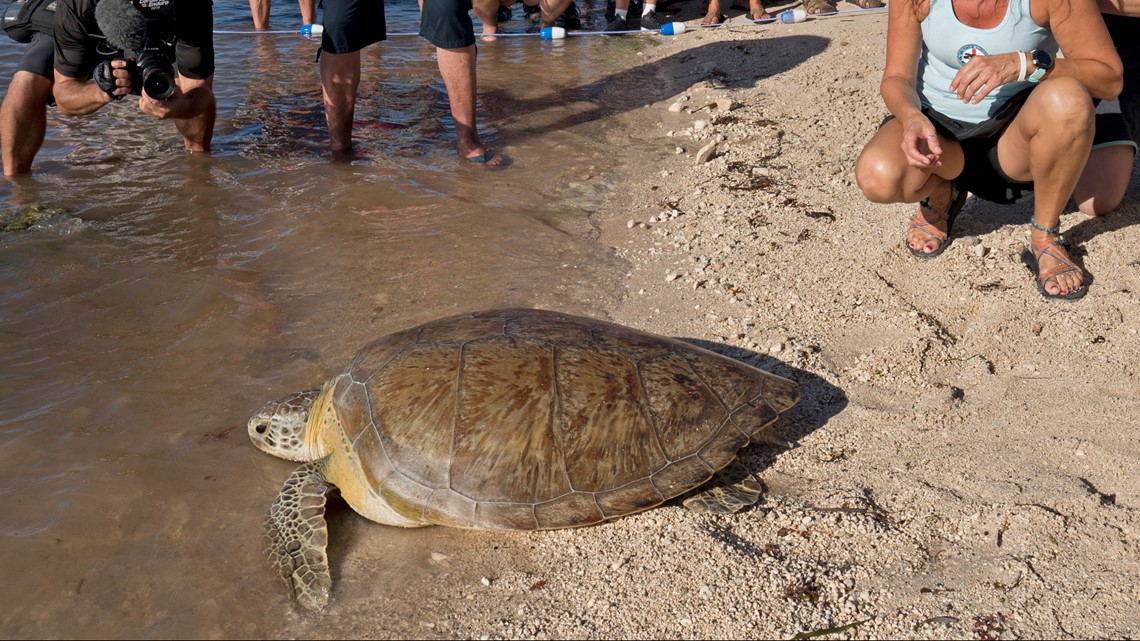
<point>980,102</point>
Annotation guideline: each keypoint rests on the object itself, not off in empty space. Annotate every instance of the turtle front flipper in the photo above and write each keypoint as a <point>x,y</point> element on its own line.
<point>729,491</point>
<point>298,535</point>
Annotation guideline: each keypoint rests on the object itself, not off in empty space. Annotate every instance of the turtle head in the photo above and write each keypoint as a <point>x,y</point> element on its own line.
<point>280,428</point>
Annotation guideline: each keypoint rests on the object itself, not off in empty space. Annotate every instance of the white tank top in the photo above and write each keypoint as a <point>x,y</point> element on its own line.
<point>947,45</point>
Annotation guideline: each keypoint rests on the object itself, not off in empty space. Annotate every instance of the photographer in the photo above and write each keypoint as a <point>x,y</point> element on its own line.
<point>107,49</point>
<point>23,115</point>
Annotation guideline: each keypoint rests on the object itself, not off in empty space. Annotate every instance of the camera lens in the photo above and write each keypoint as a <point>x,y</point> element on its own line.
<point>156,74</point>
<point>157,83</point>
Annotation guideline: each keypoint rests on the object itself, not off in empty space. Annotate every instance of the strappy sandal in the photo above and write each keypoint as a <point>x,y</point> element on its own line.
<point>928,216</point>
<point>1054,246</point>
<point>816,7</point>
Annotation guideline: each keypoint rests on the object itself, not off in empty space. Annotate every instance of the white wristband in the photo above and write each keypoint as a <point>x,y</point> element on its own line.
<point>1021,73</point>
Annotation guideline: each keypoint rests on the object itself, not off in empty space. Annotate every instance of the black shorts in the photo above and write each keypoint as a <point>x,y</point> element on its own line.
<point>447,23</point>
<point>351,25</point>
<point>38,56</point>
<point>982,174</point>
<point>1118,122</point>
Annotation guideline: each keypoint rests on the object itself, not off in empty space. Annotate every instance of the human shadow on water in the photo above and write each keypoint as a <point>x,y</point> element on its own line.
<point>730,65</point>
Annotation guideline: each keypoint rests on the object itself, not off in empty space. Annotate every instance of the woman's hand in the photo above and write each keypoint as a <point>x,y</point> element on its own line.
<point>982,74</point>
<point>920,143</point>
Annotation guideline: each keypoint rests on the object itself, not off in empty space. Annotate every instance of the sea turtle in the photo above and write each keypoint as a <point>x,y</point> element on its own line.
<point>514,419</point>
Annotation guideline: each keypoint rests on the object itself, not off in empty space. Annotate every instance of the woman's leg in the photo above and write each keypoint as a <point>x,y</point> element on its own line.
<point>885,177</point>
<point>1101,186</point>
<point>1048,143</point>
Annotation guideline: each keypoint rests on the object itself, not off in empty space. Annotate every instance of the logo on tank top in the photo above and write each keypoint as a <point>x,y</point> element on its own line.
<point>969,51</point>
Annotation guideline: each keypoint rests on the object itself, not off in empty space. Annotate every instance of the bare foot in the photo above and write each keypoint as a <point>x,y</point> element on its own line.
<point>814,7</point>
<point>490,20</point>
<point>713,16</point>
<point>756,10</point>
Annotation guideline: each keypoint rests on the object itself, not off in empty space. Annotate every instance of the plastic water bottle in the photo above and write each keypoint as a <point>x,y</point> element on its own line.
<point>552,33</point>
<point>792,15</point>
<point>312,30</point>
<point>672,28</point>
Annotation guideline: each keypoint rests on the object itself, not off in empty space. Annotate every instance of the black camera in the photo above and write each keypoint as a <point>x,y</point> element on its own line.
<point>152,72</point>
<point>142,30</point>
<point>150,69</point>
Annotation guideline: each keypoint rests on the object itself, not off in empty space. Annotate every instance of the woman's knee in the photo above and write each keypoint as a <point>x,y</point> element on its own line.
<point>878,175</point>
<point>1067,105</point>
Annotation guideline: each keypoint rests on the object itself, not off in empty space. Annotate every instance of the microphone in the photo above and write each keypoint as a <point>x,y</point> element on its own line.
<point>122,23</point>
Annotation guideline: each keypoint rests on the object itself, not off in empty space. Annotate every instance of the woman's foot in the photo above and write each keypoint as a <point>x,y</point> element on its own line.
<point>929,232</point>
<point>1057,275</point>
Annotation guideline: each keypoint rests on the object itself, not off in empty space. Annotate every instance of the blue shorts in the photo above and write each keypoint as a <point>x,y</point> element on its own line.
<point>351,25</point>
<point>447,23</point>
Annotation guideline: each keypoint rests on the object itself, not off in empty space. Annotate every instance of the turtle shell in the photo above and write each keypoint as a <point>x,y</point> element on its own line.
<point>527,419</point>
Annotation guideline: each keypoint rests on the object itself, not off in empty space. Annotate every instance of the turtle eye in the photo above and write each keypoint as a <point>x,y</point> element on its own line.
<point>261,427</point>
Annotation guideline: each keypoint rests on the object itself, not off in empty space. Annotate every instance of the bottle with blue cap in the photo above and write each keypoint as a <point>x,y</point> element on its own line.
<point>312,30</point>
<point>792,16</point>
<point>552,33</point>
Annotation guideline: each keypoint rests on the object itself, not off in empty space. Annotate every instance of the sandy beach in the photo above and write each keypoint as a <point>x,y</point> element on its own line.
<point>964,460</point>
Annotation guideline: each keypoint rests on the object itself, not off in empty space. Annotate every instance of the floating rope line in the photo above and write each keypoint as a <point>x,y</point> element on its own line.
<point>557,33</point>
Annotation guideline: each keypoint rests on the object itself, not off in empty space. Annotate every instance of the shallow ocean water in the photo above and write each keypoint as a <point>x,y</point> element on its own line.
<point>173,296</point>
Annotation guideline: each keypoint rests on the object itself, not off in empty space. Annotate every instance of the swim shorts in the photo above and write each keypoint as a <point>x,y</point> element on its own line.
<point>38,56</point>
<point>447,23</point>
<point>351,25</point>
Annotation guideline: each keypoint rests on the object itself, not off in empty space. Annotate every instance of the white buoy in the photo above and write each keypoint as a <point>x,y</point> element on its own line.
<point>310,30</point>
<point>673,28</point>
<point>552,33</point>
<point>793,15</point>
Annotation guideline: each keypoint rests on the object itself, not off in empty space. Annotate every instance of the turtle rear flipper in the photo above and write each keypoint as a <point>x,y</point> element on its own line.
<point>298,536</point>
<point>729,491</point>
